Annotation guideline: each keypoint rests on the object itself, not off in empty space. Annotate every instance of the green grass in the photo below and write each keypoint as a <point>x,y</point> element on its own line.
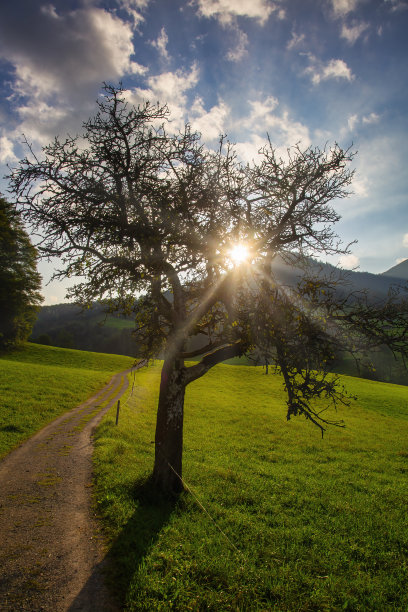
<point>118,323</point>
<point>38,383</point>
<point>318,524</point>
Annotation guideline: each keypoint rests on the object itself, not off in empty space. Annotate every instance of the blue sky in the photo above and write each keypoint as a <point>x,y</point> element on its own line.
<point>307,71</point>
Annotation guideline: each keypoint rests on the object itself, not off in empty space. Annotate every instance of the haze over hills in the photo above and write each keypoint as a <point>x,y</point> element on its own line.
<point>398,271</point>
<point>377,286</point>
<point>69,326</point>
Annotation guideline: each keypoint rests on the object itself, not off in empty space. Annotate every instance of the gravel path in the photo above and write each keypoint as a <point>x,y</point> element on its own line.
<point>51,552</point>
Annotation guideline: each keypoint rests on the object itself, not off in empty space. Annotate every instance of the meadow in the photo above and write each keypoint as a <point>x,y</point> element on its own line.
<point>275,518</point>
<point>38,383</point>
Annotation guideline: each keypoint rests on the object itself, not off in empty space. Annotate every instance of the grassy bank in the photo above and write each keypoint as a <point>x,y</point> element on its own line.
<point>306,523</point>
<point>38,383</point>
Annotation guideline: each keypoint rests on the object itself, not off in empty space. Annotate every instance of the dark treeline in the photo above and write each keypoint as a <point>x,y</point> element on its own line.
<point>68,326</point>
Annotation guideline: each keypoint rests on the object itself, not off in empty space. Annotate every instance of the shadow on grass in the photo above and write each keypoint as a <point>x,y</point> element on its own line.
<point>127,552</point>
<point>137,536</point>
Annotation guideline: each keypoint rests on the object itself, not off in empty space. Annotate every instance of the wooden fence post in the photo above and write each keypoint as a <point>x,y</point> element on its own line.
<point>117,412</point>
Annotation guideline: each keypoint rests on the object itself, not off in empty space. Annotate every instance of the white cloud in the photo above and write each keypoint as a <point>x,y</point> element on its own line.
<point>168,88</point>
<point>352,122</point>
<point>249,150</point>
<point>211,124</point>
<point>341,8</point>
<point>60,57</point>
<point>405,240</point>
<point>400,260</point>
<point>161,44</point>
<point>334,69</point>
<point>371,118</point>
<point>226,10</point>
<point>261,113</point>
<point>240,50</point>
<point>284,132</point>
<point>353,32</point>
<point>133,9</point>
<point>6,150</point>
<point>349,262</point>
<point>295,41</point>
<point>65,52</point>
<point>360,186</point>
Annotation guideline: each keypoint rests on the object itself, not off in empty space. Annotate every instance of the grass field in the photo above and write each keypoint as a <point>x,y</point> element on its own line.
<point>306,523</point>
<point>37,383</point>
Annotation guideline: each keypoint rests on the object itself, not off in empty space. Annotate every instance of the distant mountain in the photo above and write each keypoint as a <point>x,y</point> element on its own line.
<point>398,271</point>
<point>377,286</point>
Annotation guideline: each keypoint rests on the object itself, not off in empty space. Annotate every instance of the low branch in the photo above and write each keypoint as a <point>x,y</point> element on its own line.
<point>201,351</point>
<point>212,359</point>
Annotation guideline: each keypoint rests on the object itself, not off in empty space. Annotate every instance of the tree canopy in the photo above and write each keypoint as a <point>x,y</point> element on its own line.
<point>19,279</point>
<point>137,210</point>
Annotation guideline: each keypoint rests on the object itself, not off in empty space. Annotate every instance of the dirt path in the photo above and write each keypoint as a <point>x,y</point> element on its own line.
<point>51,554</point>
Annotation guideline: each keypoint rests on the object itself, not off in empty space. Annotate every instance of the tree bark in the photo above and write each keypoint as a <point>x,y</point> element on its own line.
<point>167,470</point>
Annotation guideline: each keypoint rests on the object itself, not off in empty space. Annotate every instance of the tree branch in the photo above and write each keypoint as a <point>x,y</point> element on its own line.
<point>212,359</point>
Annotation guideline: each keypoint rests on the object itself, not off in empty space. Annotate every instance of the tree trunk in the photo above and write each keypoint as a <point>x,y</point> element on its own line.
<point>169,429</point>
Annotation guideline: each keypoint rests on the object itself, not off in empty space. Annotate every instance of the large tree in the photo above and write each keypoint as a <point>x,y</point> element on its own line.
<point>137,210</point>
<point>19,279</point>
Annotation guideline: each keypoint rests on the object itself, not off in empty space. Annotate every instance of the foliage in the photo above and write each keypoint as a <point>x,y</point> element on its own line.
<point>19,279</point>
<point>139,209</point>
<point>38,383</point>
<point>320,524</point>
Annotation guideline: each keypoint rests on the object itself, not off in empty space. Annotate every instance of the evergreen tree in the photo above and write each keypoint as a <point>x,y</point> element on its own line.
<point>19,280</point>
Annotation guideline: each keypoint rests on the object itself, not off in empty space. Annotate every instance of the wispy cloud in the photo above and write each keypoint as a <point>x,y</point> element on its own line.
<point>296,40</point>
<point>334,69</point>
<point>226,10</point>
<point>6,150</point>
<point>371,118</point>
<point>240,50</point>
<point>405,240</point>
<point>397,5</point>
<point>352,122</point>
<point>341,8</point>
<point>161,44</point>
<point>353,32</point>
<point>283,129</point>
<point>134,9</point>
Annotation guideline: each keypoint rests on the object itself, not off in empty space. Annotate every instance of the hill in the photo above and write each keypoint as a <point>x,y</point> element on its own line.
<point>376,285</point>
<point>38,383</point>
<point>69,326</point>
<point>400,271</point>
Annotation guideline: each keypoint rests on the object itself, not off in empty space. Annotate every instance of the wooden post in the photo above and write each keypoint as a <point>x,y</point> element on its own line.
<point>117,412</point>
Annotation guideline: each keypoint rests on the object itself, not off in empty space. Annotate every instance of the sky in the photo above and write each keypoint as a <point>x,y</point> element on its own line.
<point>312,72</point>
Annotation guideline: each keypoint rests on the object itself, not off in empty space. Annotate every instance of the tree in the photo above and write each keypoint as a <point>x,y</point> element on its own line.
<point>19,279</point>
<point>140,211</point>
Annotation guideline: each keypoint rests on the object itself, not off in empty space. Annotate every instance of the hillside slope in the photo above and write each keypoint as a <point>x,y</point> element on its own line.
<point>39,383</point>
<point>69,326</point>
<point>399,271</point>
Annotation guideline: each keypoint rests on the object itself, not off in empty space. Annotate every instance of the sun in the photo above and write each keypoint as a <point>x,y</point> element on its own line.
<point>239,253</point>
